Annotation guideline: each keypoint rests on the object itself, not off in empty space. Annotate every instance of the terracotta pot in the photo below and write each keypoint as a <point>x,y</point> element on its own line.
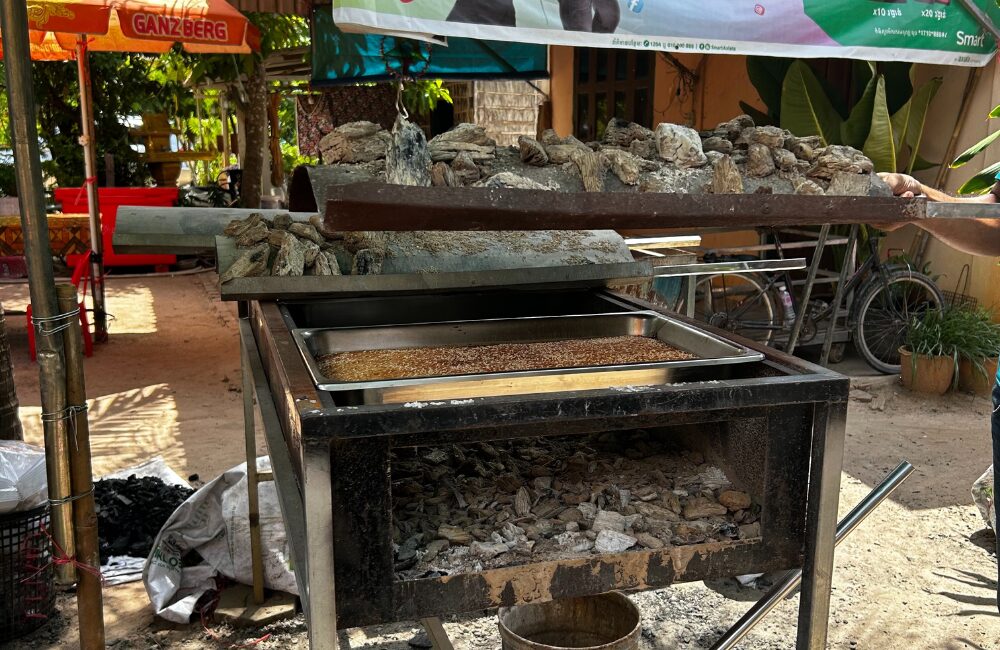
<point>928,375</point>
<point>973,380</point>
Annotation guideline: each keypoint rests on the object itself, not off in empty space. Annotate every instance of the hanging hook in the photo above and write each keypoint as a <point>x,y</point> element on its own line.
<point>400,106</point>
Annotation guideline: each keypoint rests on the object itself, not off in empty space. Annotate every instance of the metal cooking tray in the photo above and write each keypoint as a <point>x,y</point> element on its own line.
<point>709,349</point>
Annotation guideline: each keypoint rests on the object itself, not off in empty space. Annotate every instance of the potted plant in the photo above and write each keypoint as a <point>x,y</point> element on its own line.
<point>977,340</point>
<point>929,361</point>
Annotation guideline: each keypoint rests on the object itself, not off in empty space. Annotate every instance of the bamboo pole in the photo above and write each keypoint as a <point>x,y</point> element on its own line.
<point>35,230</point>
<point>89,599</point>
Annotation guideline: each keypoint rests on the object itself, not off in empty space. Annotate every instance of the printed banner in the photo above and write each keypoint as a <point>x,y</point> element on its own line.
<point>920,31</point>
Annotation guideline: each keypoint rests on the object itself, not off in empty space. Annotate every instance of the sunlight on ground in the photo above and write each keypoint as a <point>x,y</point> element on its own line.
<point>139,316</point>
<point>126,428</point>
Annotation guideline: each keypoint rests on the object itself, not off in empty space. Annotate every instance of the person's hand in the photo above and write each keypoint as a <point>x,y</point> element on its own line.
<point>901,184</point>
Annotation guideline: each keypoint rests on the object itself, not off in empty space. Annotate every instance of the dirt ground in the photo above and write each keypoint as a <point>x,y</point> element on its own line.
<point>917,574</point>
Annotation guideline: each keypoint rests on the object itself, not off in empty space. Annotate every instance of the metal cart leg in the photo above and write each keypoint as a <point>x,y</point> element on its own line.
<point>692,286</point>
<point>800,318</point>
<point>838,298</point>
<point>827,461</point>
<point>253,495</point>
<point>322,610</point>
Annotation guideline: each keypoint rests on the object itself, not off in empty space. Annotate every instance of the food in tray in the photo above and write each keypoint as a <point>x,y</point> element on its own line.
<point>443,361</point>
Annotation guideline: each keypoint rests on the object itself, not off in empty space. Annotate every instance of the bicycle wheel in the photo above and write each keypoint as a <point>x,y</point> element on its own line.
<point>737,302</point>
<point>884,313</point>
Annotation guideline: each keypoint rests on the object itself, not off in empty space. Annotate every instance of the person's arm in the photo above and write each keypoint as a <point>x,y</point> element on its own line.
<point>973,236</point>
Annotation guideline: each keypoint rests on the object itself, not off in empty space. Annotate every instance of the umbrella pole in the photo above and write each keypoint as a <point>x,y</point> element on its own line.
<point>93,202</point>
<point>46,318</point>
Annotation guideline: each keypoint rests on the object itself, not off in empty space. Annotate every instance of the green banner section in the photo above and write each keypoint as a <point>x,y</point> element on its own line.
<point>920,31</point>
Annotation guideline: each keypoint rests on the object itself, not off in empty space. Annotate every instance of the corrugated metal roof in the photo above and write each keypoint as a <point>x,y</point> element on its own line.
<point>295,7</point>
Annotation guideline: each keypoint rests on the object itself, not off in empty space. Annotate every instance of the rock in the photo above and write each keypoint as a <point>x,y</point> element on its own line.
<point>407,160</point>
<point>785,159</point>
<point>276,238</point>
<point>354,142</point>
<point>570,515</point>
<point>609,541</point>
<point>804,148</point>
<point>291,260</point>
<point>319,223</point>
<point>560,154</point>
<point>643,149</point>
<point>702,507</point>
<point>584,546</point>
<point>454,535</point>
<point>592,168</point>
<point>732,129</point>
<point>310,252</point>
<point>282,221</point>
<point>368,261</point>
<point>464,133</point>
<point>624,165</point>
<point>672,502</point>
<point>749,531</point>
<point>532,152</point>
<point>325,264</point>
<point>608,520</point>
<point>465,169</point>
<point>489,550</point>
<point>680,145</point>
<point>653,511</point>
<point>806,186</point>
<point>845,184</point>
<point>253,235</point>
<point>542,483</point>
<point>547,508</point>
<point>734,500</point>
<point>588,510</point>
<point>839,158</point>
<point>237,227</point>
<point>569,538</point>
<point>522,503</point>
<point>716,143</point>
<point>443,176</point>
<point>473,151</point>
<point>512,180</point>
<point>622,133</point>
<point>760,163</point>
<point>306,231</point>
<point>572,526</point>
<point>770,136</point>
<point>879,187</point>
<point>726,177</point>
<point>649,541</point>
<point>549,136</point>
<point>861,395</point>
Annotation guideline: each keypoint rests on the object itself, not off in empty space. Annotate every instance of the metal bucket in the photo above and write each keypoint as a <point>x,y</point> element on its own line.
<point>606,622</point>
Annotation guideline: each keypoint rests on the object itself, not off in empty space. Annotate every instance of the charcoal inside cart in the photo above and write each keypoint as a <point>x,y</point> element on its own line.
<point>466,508</point>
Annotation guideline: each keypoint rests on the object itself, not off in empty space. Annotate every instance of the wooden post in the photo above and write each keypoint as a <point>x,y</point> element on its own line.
<point>89,598</point>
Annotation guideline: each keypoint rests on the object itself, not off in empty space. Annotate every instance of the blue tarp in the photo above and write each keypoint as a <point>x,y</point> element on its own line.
<point>340,58</point>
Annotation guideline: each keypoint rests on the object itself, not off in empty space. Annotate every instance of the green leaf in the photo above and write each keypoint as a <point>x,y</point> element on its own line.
<point>855,130</point>
<point>767,74</point>
<point>760,118</point>
<point>981,182</point>
<point>805,108</point>
<point>995,112</point>
<point>862,73</point>
<point>919,164</point>
<point>880,146</point>
<point>975,150</point>
<point>898,83</point>
<point>919,105</point>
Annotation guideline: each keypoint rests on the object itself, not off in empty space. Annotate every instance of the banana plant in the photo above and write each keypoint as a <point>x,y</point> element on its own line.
<point>886,121</point>
<point>985,179</point>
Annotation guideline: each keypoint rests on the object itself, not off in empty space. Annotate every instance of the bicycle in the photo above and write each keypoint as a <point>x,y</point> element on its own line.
<point>886,298</point>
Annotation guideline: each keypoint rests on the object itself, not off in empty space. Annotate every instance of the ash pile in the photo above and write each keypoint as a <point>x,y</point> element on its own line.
<point>467,508</point>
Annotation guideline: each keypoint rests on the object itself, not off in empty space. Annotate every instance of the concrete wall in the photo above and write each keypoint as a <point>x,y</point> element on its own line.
<point>945,261</point>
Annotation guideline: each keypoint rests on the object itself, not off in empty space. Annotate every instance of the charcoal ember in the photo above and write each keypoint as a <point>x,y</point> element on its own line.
<point>131,512</point>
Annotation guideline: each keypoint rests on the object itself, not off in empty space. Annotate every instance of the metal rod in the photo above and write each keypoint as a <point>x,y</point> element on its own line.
<point>89,141</point>
<point>800,319</point>
<point>436,632</point>
<point>790,582</point>
<point>35,230</point>
<point>253,495</point>
<point>89,598</point>
<point>838,296</point>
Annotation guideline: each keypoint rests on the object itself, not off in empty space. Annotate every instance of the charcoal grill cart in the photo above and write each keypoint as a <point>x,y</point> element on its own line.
<point>773,423</point>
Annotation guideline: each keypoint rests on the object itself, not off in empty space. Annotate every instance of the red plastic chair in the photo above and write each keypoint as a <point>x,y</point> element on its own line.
<point>81,273</point>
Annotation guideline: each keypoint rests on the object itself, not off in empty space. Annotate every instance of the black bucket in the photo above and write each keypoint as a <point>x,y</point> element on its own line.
<point>606,622</point>
<point>27,593</point>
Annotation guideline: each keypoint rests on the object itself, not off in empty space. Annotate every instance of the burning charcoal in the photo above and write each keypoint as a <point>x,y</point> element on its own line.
<point>649,541</point>
<point>609,541</point>
<point>454,535</point>
<point>734,500</point>
<point>701,507</point>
